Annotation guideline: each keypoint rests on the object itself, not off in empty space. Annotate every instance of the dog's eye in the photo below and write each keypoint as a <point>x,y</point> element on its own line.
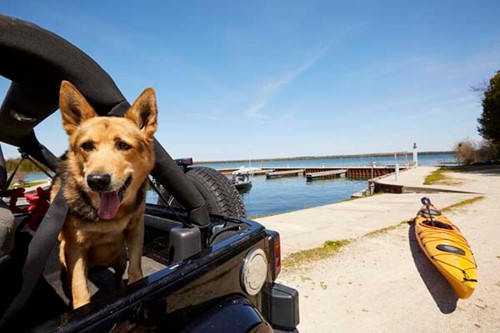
<point>87,146</point>
<point>120,145</point>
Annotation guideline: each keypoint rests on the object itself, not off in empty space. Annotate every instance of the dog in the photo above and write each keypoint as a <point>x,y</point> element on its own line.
<point>103,177</point>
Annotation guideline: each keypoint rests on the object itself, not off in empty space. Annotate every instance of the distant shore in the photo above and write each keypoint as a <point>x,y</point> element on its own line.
<point>298,158</point>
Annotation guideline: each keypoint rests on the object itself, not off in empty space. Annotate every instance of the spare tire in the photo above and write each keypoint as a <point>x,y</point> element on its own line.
<point>221,196</point>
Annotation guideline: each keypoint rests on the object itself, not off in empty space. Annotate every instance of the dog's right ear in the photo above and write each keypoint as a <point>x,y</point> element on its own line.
<point>74,107</point>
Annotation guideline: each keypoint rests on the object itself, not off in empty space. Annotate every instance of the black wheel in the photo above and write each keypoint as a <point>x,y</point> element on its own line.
<point>221,196</point>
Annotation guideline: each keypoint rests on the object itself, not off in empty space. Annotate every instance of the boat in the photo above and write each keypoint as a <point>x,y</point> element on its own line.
<point>447,249</point>
<point>247,170</point>
<point>241,181</point>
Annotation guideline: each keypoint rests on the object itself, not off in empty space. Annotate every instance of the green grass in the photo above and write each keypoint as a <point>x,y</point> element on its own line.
<point>439,177</point>
<point>461,204</point>
<point>384,230</point>
<point>300,258</point>
<point>329,248</point>
<point>29,184</point>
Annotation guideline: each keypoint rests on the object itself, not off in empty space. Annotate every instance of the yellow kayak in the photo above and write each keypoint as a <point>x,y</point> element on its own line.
<point>447,249</point>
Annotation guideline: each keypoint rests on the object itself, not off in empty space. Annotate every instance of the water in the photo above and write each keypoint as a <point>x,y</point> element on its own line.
<point>281,195</point>
<point>401,159</point>
<point>273,196</point>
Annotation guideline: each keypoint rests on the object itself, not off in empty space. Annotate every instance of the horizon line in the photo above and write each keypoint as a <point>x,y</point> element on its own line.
<point>324,156</point>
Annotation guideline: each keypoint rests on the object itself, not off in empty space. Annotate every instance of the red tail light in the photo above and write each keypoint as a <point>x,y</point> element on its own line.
<point>277,254</point>
<point>275,249</point>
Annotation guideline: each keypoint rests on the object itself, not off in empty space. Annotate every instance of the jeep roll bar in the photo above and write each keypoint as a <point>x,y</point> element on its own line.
<point>36,61</point>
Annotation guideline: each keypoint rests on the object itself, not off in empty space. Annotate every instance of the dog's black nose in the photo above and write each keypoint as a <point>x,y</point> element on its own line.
<point>99,181</point>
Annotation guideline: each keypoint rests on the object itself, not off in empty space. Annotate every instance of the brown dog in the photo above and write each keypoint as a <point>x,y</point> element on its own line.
<point>103,177</point>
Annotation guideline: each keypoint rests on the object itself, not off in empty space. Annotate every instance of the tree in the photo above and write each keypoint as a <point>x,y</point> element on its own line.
<point>489,122</point>
<point>469,152</point>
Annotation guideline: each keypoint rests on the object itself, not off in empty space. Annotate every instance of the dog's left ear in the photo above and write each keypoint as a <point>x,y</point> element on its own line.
<point>144,113</point>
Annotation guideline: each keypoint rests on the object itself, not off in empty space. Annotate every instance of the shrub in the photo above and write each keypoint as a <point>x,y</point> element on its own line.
<point>469,152</point>
<point>465,152</point>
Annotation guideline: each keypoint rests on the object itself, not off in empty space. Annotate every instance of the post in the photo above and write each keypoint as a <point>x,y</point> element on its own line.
<point>397,172</point>
<point>415,155</point>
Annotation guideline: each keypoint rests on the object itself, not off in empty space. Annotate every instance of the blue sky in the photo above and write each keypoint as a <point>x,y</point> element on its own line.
<point>259,79</point>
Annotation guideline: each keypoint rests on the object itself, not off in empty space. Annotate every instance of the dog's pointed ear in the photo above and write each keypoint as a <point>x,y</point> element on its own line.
<point>74,107</point>
<point>144,113</point>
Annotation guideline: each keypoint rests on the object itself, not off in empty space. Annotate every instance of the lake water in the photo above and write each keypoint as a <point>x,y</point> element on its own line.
<point>401,159</point>
<point>288,194</point>
<point>273,196</point>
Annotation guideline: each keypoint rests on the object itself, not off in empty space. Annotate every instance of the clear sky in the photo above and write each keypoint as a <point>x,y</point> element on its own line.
<point>256,79</point>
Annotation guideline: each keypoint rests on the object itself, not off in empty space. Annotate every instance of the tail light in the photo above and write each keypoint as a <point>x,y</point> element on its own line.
<point>275,249</point>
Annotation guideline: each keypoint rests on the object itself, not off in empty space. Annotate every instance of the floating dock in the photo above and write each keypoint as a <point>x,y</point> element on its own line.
<point>330,174</point>
<point>286,173</point>
<point>352,172</point>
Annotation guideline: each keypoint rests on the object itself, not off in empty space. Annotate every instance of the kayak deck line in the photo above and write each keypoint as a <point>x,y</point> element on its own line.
<point>447,249</point>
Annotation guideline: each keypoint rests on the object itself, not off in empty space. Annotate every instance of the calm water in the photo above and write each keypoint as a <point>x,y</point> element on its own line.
<point>401,159</point>
<point>287,194</point>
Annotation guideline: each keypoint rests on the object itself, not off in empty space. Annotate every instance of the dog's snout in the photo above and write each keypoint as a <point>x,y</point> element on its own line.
<point>99,181</point>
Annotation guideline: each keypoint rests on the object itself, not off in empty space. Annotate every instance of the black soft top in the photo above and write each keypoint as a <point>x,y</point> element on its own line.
<point>36,61</point>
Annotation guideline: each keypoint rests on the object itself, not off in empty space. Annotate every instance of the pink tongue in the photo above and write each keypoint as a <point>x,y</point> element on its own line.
<point>110,202</point>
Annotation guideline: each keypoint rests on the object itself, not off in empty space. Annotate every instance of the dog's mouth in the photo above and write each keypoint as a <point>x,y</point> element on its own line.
<point>110,201</point>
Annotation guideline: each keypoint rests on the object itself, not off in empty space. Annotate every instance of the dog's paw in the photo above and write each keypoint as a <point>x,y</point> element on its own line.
<point>81,301</point>
<point>134,276</point>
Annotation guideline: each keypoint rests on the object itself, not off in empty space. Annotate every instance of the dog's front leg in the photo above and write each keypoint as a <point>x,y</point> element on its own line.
<point>134,239</point>
<point>77,269</point>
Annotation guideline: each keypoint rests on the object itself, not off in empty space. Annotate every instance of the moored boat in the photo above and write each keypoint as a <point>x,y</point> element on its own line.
<point>241,181</point>
<point>447,249</point>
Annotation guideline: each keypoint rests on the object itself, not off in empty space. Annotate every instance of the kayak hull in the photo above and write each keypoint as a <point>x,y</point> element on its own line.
<point>447,249</point>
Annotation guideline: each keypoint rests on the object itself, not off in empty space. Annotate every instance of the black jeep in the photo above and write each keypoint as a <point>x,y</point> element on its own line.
<point>207,268</point>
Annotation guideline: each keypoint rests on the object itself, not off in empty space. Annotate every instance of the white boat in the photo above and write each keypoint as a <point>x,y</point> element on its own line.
<point>241,181</point>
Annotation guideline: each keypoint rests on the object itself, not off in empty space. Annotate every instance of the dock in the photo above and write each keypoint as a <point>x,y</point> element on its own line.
<point>330,174</point>
<point>286,173</point>
<point>351,172</point>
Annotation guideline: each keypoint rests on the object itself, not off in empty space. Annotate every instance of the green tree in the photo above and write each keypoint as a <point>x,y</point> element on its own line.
<point>489,122</point>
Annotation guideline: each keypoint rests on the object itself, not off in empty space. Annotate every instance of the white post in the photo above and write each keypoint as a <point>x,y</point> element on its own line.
<point>415,155</point>
<point>397,171</point>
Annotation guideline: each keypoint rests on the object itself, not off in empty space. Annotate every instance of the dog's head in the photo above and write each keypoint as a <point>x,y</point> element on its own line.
<point>109,157</point>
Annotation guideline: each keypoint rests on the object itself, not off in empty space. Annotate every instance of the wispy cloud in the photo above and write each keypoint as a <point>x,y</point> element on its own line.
<point>288,76</point>
<point>274,86</point>
<point>254,110</point>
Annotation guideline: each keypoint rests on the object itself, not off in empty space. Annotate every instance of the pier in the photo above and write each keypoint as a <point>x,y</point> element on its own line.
<point>325,173</point>
<point>330,174</point>
<point>285,173</point>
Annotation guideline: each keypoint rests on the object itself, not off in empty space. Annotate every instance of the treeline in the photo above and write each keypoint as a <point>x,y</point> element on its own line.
<point>299,158</point>
<point>26,166</point>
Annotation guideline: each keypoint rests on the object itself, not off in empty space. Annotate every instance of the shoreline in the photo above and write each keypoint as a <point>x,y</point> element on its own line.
<point>299,158</point>
<point>345,291</point>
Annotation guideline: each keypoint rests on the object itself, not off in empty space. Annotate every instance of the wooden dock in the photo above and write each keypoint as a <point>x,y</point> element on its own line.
<point>330,174</point>
<point>287,173</point>
<point>352,172</point>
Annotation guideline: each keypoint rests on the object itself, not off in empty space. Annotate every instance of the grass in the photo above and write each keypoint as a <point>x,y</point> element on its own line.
<point>439,177</point>
<point>461,204</point>
<point>329,248</point>
<point>29,184</point>
<point>384,230</point>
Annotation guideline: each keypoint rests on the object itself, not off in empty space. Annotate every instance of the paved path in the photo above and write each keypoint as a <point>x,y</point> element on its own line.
<point>310,228</point>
